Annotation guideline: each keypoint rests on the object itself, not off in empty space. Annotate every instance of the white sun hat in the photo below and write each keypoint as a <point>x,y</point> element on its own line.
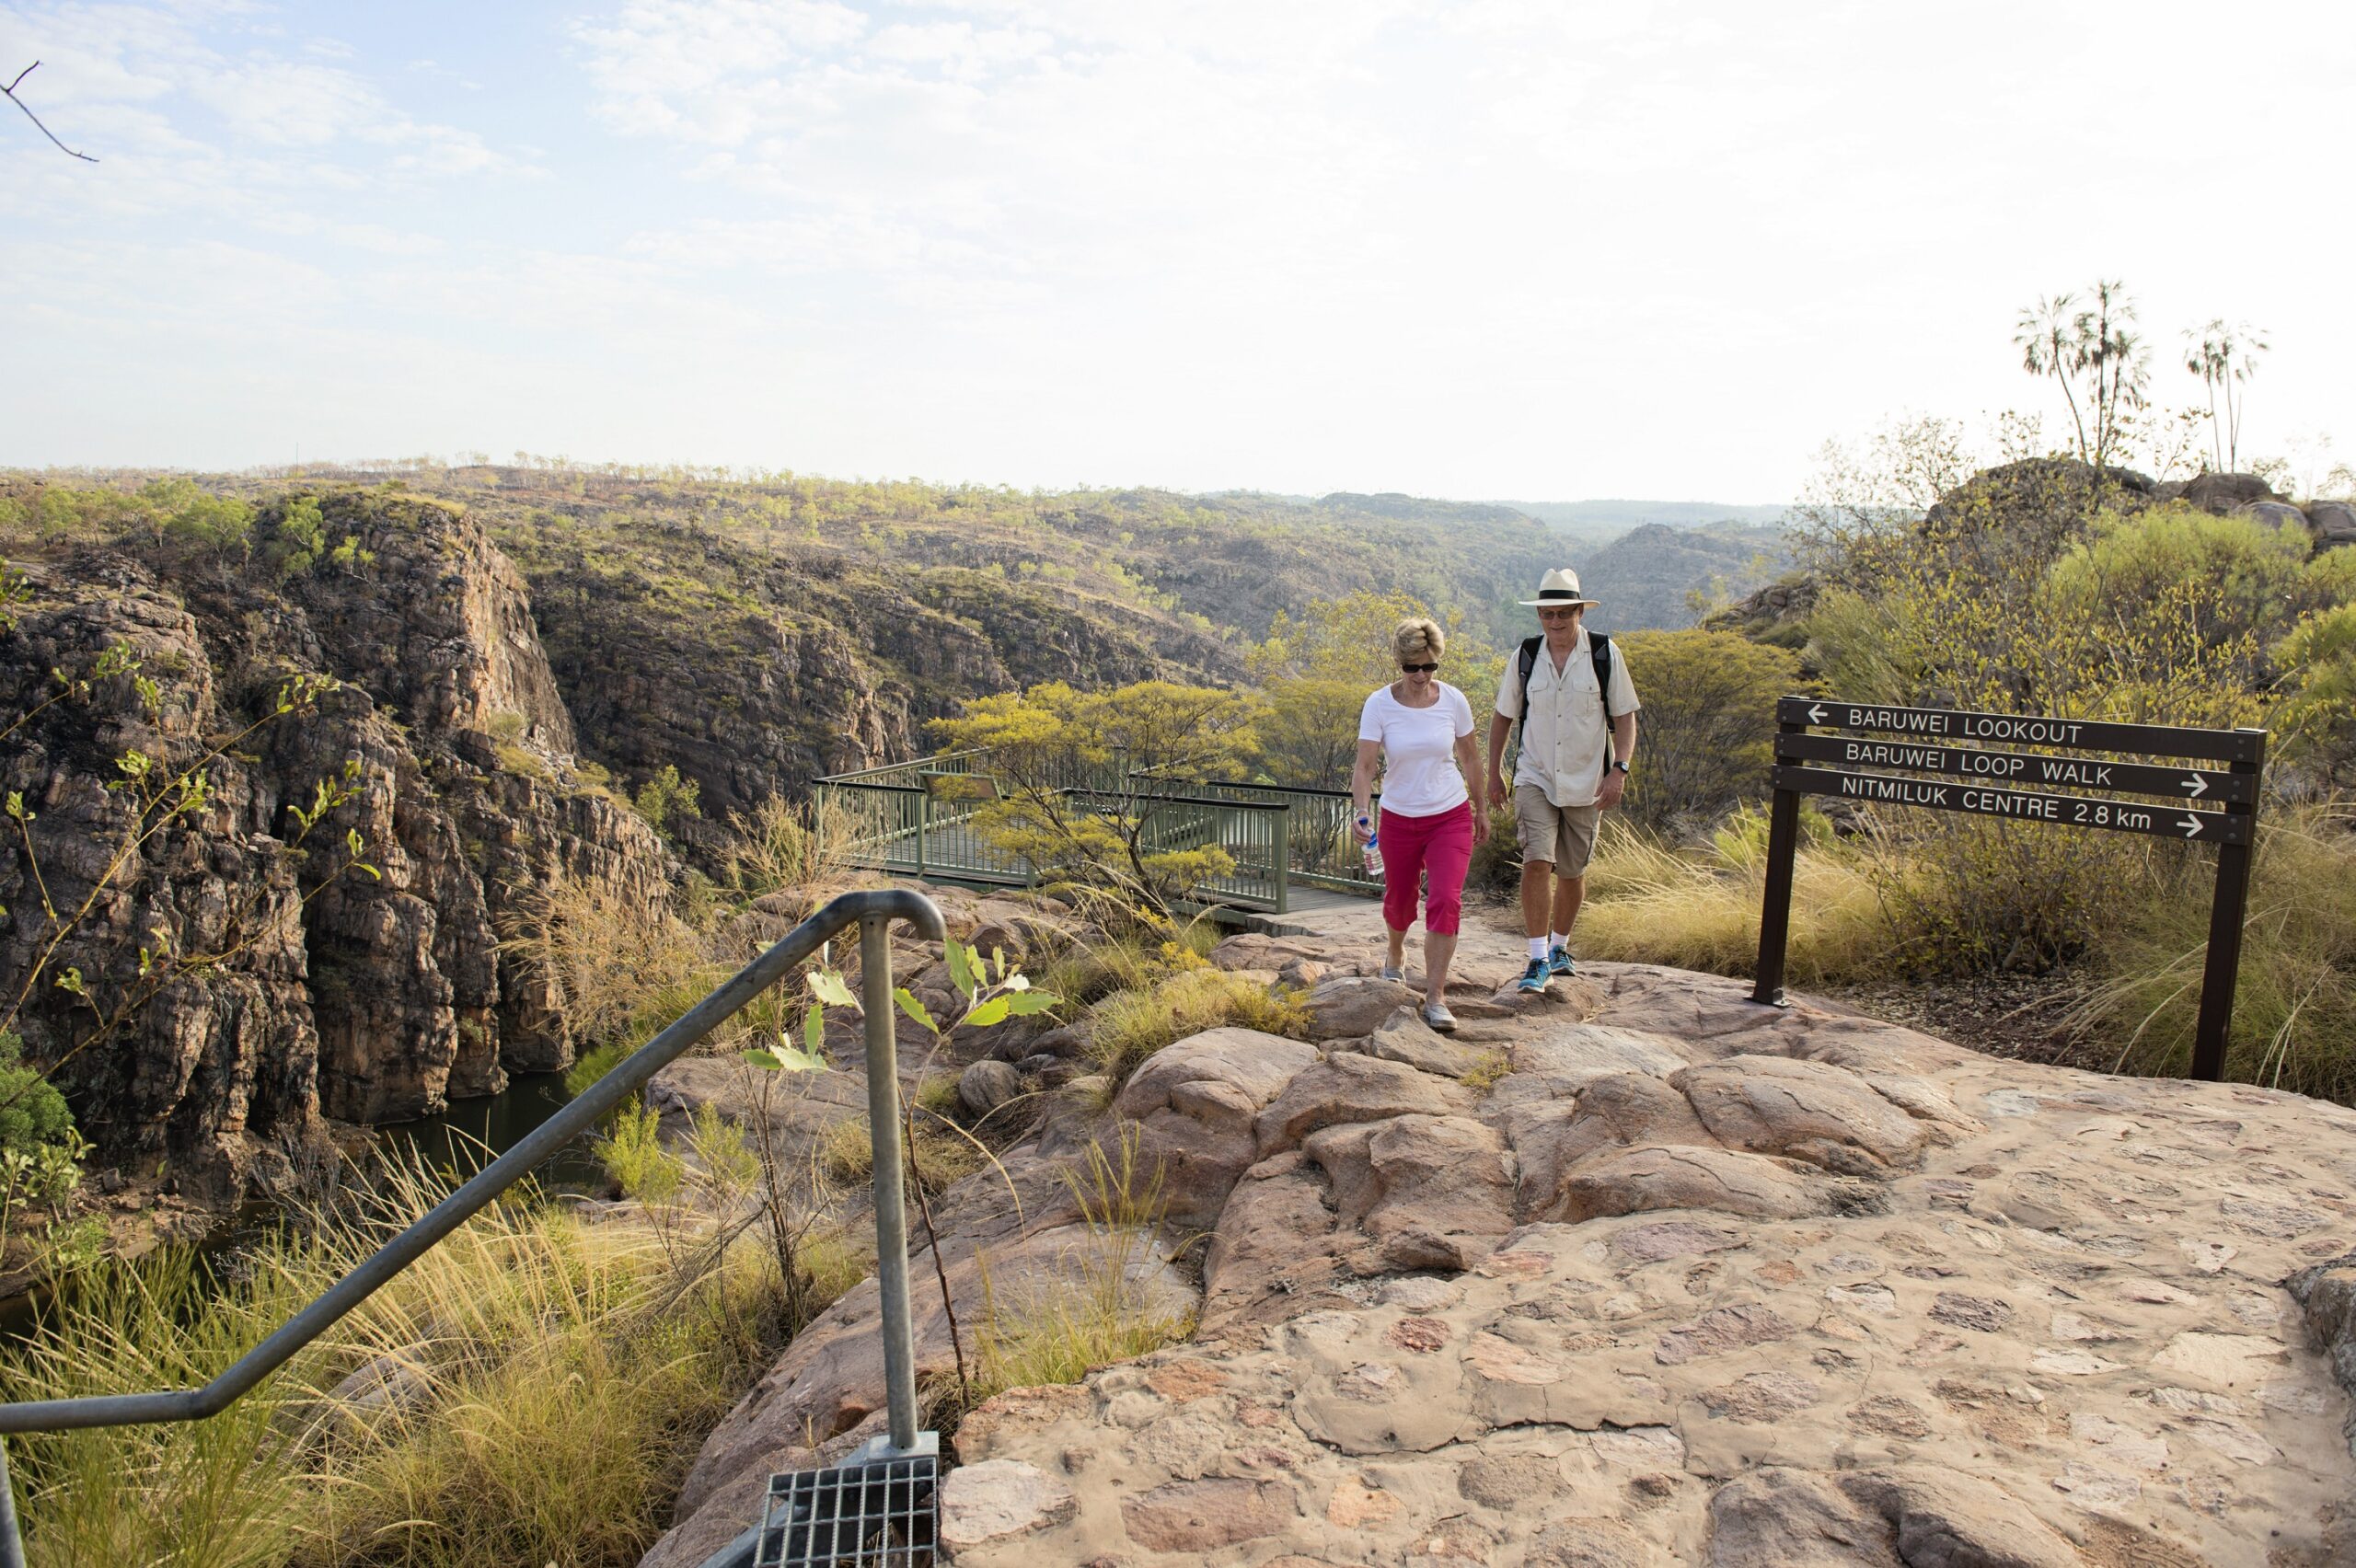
<point>1559,588</point>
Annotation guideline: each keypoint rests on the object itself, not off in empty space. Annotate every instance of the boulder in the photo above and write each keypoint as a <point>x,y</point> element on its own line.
<point>1441,1194</point>
<point>1807,1110</point>
<point>1277,1240</point>
<point>1945,1518</point>
<point>2327,1294</point>
<point>1638,1180</point>
<point>2332,522</point>
<point>2223,493</point>
<point>1780,1518</point>
<point>1617,1110</point>
<point>986,1086</point>
<point>1410,1040</point>
<point>1349,1006</point>
<point>2274,515</point>
<point>1351,1087</point>
<point>1195,1105</point>
<point>1257,949</point>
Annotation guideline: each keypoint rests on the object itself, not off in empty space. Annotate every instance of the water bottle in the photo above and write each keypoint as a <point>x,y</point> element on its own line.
<point>1373,854</point>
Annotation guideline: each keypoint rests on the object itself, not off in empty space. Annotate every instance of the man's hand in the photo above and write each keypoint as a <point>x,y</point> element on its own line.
<point>1615,784</point>
<point>1498,794</point>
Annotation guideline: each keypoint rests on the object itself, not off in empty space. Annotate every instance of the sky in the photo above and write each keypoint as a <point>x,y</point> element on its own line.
<point>1538,248</point>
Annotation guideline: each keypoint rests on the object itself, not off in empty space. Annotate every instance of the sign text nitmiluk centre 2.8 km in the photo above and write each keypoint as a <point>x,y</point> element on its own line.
<point>1882,763</point>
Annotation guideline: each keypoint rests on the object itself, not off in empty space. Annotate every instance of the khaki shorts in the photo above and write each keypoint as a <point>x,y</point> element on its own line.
<point>1562,835</point>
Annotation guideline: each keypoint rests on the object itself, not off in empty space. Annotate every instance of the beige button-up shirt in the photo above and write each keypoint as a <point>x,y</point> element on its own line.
<point>1565,743</point>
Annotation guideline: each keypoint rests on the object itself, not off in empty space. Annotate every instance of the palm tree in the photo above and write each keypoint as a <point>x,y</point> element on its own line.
<point>2224,358</point>
<point>2048,336</point>
<point>2106,345</point>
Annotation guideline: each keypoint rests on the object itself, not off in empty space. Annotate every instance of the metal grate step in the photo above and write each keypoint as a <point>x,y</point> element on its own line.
<point>877,1509</point>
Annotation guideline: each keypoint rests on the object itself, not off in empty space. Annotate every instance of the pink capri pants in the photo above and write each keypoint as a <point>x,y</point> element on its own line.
<point>1438,846</point>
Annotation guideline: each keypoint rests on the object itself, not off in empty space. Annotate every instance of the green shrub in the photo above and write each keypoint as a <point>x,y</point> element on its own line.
<point>1707,731</point>
<point>665,796</point>
<point>2316,716</point>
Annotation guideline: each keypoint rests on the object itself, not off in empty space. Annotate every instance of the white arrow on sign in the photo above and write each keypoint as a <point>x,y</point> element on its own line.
<point>1816,714</point>
<point>2196,787</point>
<point>2192,826</point>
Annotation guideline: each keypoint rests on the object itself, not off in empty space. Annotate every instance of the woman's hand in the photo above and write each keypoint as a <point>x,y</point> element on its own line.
<point>1361,829</point>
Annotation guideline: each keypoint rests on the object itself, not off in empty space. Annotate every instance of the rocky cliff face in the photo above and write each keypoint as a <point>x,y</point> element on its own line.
<point>754,675</point>
<point>303,986</point>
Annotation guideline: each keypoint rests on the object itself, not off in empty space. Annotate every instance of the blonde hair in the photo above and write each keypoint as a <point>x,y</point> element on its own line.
<point>1417,641</point>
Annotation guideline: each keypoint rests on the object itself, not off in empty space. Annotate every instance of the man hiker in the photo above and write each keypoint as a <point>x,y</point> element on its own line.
<point>1570,692</point>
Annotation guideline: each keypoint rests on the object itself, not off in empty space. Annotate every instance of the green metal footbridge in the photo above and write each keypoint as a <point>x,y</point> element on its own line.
<point>933,818</point>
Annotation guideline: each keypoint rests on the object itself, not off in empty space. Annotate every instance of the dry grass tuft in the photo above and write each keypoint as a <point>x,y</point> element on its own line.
<point>1699,909</point>
<point>532,1390</point>
<point>1127,1027</point>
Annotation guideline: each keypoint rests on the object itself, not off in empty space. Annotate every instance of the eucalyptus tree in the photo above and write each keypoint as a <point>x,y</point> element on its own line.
<point>2224,358</point>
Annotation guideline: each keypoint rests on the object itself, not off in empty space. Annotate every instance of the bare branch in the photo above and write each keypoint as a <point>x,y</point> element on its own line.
<point>10,93</point>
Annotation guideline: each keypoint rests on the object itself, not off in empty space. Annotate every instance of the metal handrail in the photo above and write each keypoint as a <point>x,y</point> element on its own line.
<point>873,911</point>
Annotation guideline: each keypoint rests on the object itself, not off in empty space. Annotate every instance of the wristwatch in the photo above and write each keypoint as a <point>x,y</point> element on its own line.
<point>1619,766</point>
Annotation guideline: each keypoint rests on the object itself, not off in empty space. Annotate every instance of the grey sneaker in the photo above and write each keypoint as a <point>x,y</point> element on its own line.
<point>1559,962</point>
<point>1437,1017</point>
<point>1391,973</point>
<point>1534,978</point>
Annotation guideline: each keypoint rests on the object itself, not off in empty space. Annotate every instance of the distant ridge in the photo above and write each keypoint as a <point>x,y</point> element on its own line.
<point>1606,517</point>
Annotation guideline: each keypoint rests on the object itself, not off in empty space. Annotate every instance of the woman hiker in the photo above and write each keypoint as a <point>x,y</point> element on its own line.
<point>1422,728</point>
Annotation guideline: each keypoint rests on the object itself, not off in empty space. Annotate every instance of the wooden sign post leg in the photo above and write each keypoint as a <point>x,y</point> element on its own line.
<point>1775,905</point>
<point>2228,910</point>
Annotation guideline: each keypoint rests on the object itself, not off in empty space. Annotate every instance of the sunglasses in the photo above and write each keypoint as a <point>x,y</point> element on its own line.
<point>1419,669</point>
<point>1556,615</point>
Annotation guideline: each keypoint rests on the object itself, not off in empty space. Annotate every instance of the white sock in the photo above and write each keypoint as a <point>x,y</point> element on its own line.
<point>1560,939</point>
<point>1537,947</point>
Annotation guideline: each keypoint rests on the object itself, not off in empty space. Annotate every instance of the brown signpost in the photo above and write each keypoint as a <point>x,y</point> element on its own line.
<point>1900,744</point>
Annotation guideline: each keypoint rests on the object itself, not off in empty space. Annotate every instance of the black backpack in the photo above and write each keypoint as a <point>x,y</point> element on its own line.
<point>1599,646</point>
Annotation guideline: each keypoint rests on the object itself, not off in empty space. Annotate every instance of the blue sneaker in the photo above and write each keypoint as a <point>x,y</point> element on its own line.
<point>1533,979</point>
<point>1559,962</point>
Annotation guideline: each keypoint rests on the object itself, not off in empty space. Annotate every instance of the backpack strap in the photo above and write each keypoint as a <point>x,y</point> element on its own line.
<point>1599,648</point>
<point>1529,646</point>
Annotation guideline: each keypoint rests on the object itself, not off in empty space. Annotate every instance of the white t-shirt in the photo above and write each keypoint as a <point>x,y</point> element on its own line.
<point>1419,776</point>
<point>1565,743</point>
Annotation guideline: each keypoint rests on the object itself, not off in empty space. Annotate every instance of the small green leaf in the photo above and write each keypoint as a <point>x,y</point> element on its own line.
<point>795,1062</point>
<point>767,1061</point>
<point>1022,1004</point>
<point>828,988</point>
<point>990,1012</point>
<point>813,1030</point>
<point>961,967</point>
<point>914,1009</point>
